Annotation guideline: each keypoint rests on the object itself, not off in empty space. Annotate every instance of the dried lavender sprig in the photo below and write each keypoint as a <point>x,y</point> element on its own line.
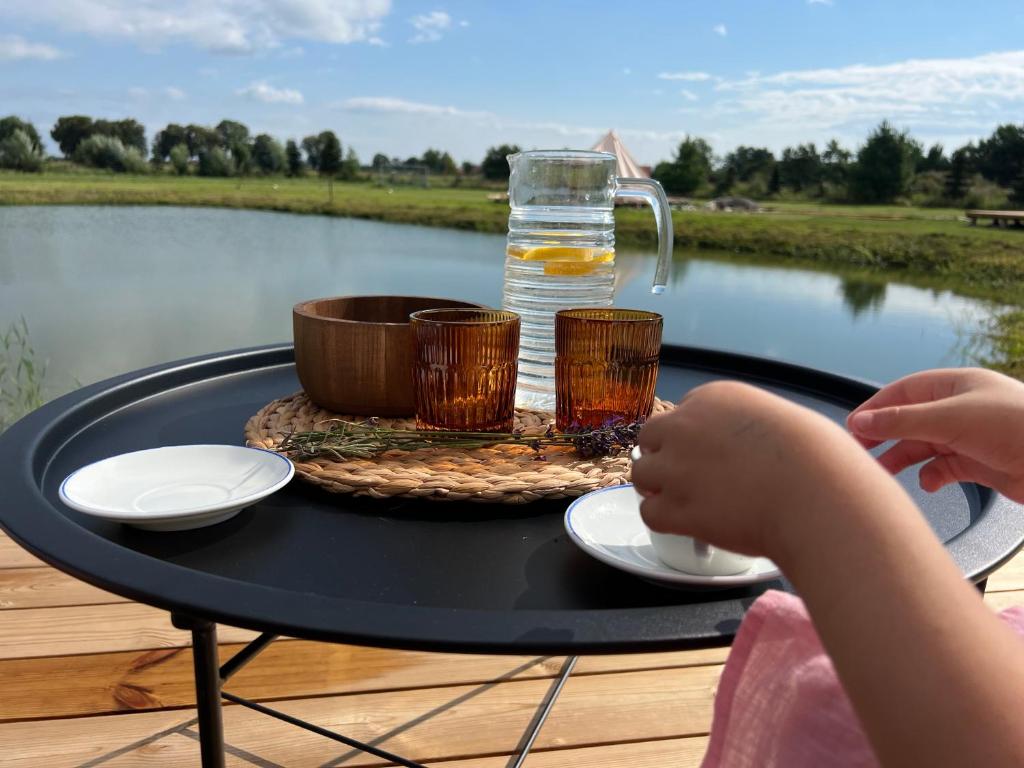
<point>344,439</point>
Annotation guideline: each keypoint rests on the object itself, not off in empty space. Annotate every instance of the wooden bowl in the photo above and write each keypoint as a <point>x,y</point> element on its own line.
<point>354,353</point>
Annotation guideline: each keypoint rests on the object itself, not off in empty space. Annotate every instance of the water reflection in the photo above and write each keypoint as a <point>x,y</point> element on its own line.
<point>860,295</point>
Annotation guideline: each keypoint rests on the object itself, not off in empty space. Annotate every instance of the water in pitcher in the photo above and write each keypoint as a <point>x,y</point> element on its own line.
<point>561,250</point>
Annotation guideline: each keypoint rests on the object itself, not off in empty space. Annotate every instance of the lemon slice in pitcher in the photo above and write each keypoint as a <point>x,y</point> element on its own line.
<point>564,260</point>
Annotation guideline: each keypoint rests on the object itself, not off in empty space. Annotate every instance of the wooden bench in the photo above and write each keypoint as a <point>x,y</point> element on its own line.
<point>999,218</point>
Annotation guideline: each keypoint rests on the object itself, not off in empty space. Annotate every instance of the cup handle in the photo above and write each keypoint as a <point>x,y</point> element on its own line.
<point>651,192</point>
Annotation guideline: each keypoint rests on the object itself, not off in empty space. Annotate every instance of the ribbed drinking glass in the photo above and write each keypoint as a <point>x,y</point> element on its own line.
<point>606,365</point>
<point>464,369</point>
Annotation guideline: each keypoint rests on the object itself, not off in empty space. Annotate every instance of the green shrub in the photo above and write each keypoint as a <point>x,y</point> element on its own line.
<point>179,159</point>
<point>99,151</point>
<point>928,189</point>
<point>985,194</point>
<point>18,153</point>
<point>215,162</point>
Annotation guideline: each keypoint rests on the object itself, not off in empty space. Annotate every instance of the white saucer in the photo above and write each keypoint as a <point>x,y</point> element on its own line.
<point>178,487</point>
<point>606,524</point>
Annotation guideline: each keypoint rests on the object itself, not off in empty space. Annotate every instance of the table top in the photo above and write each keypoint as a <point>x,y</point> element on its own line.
<point>396,573</point>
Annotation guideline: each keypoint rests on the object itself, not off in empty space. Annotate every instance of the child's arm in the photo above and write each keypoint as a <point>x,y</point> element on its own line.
<point>934,676</point>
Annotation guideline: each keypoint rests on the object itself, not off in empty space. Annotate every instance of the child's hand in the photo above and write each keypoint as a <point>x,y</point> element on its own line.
<point>968,422</point>
<point>736,466</point>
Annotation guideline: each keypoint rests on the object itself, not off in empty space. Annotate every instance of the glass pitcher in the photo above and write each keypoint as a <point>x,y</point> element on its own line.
<point>561,250</point>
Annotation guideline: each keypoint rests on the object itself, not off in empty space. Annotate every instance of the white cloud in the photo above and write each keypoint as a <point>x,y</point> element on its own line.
<point>390,104</point>
<point>261,90</point>
<point>430,26</point>
<point>217,25</point>
<point>688,95</point>
<point>138,92</point>
<point>720,29</point>
<point>174,93</point>
<point>692,77</point>
<point>938,99</point>
<point>13,48</point>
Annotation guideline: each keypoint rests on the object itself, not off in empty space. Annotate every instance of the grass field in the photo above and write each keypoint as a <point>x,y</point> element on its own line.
<point>928,247</point>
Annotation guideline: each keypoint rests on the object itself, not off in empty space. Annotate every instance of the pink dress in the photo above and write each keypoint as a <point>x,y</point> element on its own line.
<point>779,703</point>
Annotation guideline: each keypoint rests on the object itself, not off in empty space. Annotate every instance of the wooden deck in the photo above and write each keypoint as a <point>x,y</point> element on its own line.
<point>90,679</point>
<point>998,218</point>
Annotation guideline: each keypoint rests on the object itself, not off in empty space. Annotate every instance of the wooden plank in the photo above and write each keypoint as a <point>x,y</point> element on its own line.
<point>13,556</point>
<point>47,588</point>
<point>63,686</point>
<point>73,742</point>
<point>1009,577</point>
<point>35,632</point>
<point>423,724</point>
<point>999,601</point>
<point>679,753</point>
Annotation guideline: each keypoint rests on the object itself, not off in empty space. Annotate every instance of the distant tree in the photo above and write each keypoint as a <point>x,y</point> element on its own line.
<point>690,169</point>
<point>958,180</point>
<point>329,159</point>
<point>231,133</point>
<point>214,161</point>
<point>835,163</point>
<point>885,165</point>
<point>775,182</point>
<point>1000,158</point>
<point>9,125</point>
<point>448,167</point>
<point>131,133</point>
<point>179,159</point>
<point>19,153</point>
<point>801,167</point>
<point>725,179</point>
<point>934,160</point>
<point>241,158</point>
<point>199,137</point>
<point>431,158</point>
<point>312,146</point>
<point>167,139</point>
<point>748,162</point>
<point>350,168</point>
<point>268,154</point>
<point>468,168</point>
<point>495,163</point>
<point>1017,191</point>
<point>379,162</point>
<point>294,157</point>
<point>70,131</point>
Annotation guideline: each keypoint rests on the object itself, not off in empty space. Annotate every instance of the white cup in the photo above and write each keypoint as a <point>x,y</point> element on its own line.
<point>690,555</point>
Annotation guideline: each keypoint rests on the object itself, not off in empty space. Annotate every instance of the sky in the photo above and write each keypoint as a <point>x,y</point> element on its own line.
<point>399,76</point>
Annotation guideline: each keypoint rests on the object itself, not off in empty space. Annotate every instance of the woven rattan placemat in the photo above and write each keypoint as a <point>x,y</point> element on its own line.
<point>507,474</point>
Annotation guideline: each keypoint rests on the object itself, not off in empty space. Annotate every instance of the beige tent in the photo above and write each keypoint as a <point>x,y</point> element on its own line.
<point>627,165</point>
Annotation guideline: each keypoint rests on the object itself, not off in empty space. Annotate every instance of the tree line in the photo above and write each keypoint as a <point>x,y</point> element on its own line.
<point>891,166</point>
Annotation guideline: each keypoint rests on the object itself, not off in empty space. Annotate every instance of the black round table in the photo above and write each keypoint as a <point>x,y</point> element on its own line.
<point>456,577</point>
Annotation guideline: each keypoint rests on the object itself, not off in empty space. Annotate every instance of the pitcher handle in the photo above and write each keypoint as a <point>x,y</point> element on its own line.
<point>651,191</point>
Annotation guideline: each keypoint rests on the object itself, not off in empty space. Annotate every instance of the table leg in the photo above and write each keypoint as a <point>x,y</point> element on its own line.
<point>207,678</point>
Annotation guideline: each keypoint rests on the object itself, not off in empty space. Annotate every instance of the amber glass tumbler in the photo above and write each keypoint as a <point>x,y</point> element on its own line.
<point>464,369</point>
<point>606,365</point>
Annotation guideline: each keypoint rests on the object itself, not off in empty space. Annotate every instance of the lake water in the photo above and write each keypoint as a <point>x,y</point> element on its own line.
<point>106,290</point>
